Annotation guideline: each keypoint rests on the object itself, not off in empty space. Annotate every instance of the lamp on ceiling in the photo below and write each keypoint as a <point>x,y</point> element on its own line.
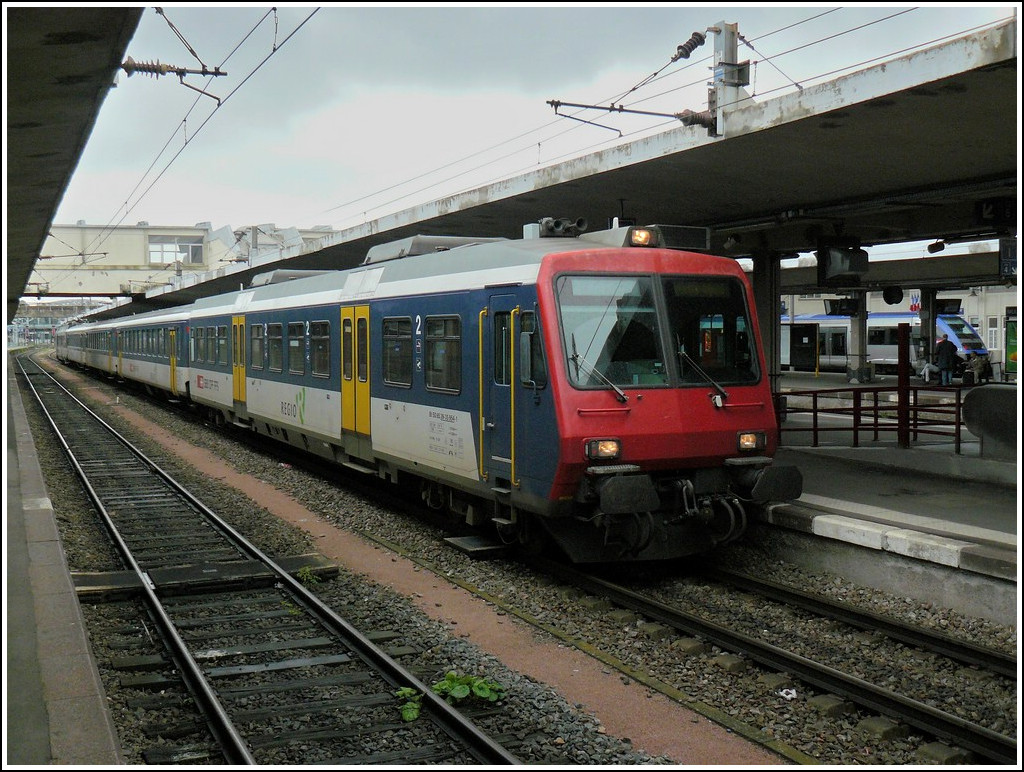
<point>937,246</point>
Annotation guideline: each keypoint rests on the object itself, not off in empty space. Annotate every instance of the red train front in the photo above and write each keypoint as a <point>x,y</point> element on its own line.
<point>666,426</point>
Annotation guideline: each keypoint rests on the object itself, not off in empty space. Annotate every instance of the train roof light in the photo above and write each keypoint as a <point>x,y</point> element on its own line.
<point>642,237</point>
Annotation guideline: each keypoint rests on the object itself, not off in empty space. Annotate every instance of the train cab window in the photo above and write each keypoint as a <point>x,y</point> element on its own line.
<point>223,357</point>
<point>320,348</point>
<point>296,348</point>
<point>444,354</point>
<point>396,355</point>
<point>275,347</point>
<point>709,326</point>
<point>256,346</point>
<point>533,369</point>
<point>611,330</point>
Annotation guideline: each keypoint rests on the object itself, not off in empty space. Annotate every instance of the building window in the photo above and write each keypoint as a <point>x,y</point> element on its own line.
<point>993,332</point>
<point>396,359</point>
<point>444,354</point>
<point>168,250</point>
<point>320,345</point>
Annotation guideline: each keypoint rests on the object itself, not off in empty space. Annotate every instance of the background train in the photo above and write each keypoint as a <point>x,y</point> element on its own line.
<point>829,349</point>
<point>601,390</point>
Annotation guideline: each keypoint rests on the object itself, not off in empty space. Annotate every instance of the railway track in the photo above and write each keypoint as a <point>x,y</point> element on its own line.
<point>237,636</point>
<point>986,744</point>
<point>931,722</point>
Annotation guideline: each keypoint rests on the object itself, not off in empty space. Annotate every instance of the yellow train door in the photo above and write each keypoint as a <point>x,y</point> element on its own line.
<point>238,358</point>
<point>355,369</point>
<point>172,352</point>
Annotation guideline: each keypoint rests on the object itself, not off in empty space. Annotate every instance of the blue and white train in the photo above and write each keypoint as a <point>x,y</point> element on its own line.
<point>599,390</point>
<point>821,341</point>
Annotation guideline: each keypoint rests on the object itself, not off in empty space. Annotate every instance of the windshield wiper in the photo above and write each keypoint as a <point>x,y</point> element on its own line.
<point>722,393</point>
<point>577,359</point>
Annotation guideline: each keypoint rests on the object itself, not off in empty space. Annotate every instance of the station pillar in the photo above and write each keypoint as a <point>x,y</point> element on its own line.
<point>927,314</point>
<point>858,369</point>
<point>767,282</point>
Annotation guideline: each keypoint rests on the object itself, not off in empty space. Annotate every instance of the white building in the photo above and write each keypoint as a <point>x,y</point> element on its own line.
<point>94,260</point>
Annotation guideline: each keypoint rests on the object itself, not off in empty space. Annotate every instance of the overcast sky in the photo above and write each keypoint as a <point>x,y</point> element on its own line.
<point>338,114</point>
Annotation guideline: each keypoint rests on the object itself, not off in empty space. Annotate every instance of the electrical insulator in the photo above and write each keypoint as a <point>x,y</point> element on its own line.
<point>683,52</point>
<point>150,68</point>
<point>692,118</point>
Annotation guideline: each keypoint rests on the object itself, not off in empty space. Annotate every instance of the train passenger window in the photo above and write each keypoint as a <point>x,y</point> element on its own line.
<point>256,346</point>
<point>200,334</point>
<point>297,348</point>
<point>838,341</point>
<point>275,347</point>
<point>320,345</point>
<point>223,356</point>
<point>533,369</point>
<point>444,354</point>
<point>396,357</point>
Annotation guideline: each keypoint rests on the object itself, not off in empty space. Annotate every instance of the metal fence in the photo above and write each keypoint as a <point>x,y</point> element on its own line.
<point>871,414</point>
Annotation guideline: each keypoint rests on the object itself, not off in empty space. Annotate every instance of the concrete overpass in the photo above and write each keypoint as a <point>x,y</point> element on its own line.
<point>922,147</point>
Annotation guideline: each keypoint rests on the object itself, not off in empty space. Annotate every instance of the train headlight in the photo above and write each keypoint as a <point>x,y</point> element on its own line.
<point>603,449</point>
<point>642,237</point>
<point>750,441</point>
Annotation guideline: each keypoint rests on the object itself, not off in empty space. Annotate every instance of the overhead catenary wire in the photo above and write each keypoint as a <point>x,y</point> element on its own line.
<point>276,48</point>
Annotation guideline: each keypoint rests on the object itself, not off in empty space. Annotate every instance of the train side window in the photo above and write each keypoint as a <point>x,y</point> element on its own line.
<point>256,346</point>
<point>320,343</point>
<point>346,349</point>
<point>533,369</point>
<point>200,333</point>
<point>362,351</point>
<point>222,345</point>
<point>444,354</point>
<point>296,348</point>
<point>396,355</point>
<point>502,354</point>
<point>838,343</point>
<point>275,347</point>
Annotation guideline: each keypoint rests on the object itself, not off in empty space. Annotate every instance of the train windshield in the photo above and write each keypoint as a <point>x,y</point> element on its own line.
<point>617,329</point>
<point>710,329</point>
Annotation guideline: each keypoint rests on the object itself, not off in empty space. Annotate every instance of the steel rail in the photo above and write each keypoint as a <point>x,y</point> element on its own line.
<point>989,745</point>
<point>235,748</point>
<point>447,717</point>
<point>960,650</point>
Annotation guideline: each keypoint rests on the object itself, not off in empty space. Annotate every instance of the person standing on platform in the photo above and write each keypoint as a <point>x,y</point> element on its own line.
<point>945,358</point>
